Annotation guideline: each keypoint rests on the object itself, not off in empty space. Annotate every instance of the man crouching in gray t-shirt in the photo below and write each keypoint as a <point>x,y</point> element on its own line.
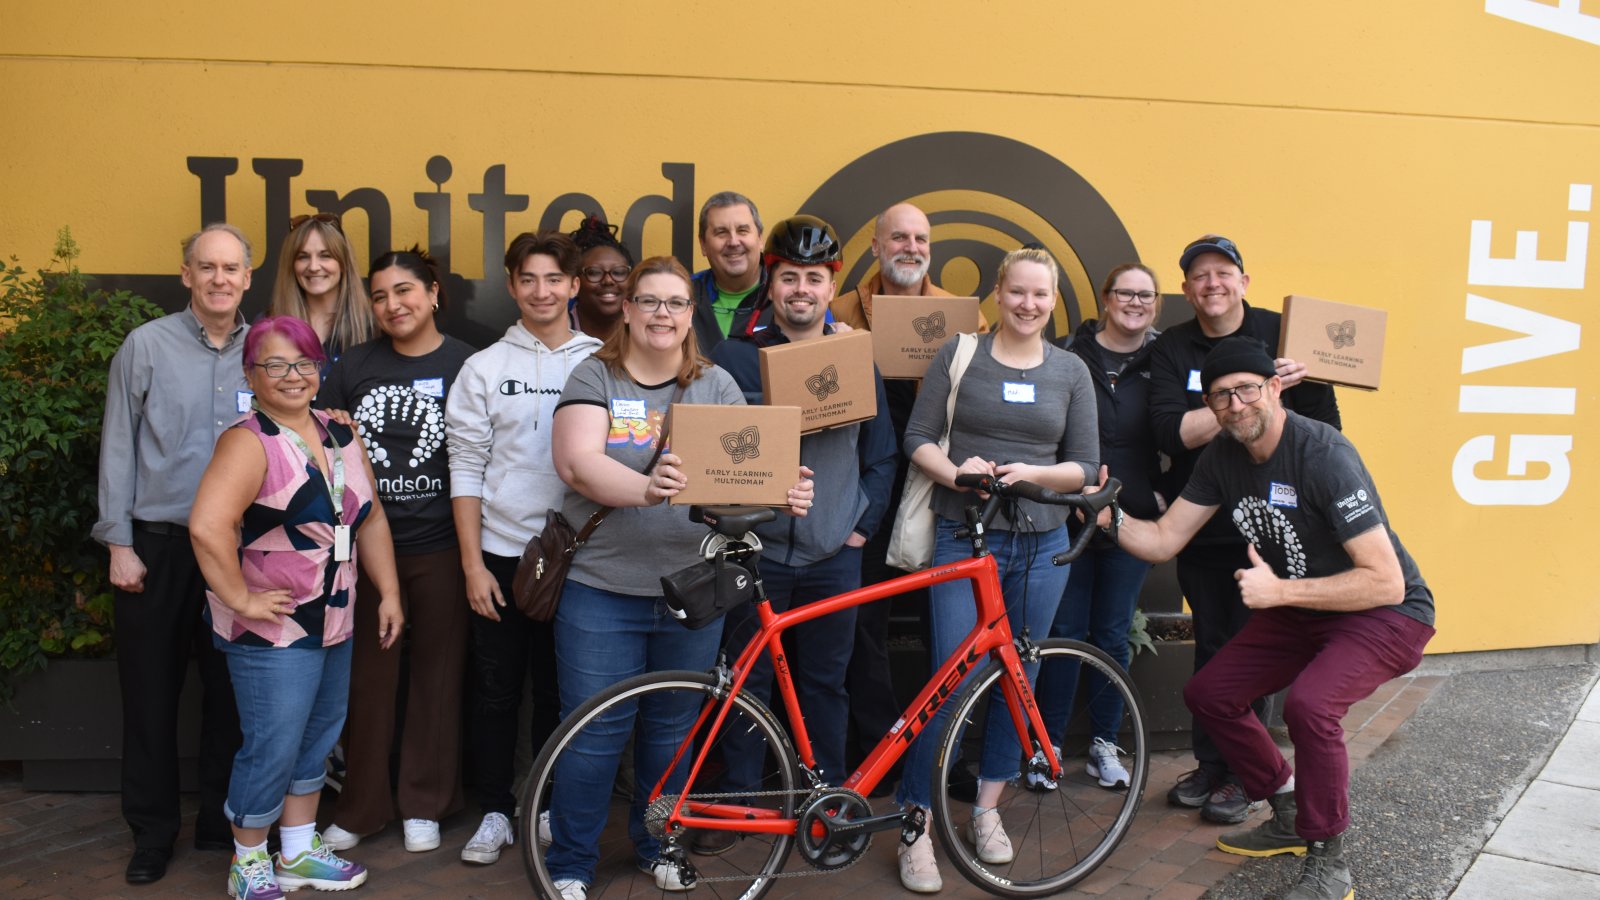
<point>1340,606</point>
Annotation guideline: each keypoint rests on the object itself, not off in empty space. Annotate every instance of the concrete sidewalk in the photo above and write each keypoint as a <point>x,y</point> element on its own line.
<point>1548,845</point>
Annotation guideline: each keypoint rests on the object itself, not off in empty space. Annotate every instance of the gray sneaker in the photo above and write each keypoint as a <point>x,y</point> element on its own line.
<point>1274,836</point>
<point>1325,875</point>
<point>1228,804</point>
<point>1193,789</point>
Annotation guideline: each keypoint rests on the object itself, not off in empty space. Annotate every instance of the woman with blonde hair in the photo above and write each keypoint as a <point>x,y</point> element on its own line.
<point>318,284</point>
<point>1025,411</point>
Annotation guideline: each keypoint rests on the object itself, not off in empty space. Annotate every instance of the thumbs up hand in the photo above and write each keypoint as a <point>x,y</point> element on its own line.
<point>1259,586</point>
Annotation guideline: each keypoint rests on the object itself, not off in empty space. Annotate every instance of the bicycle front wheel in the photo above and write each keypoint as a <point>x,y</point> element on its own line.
<point>1059,829</point>
<point>580,821</point>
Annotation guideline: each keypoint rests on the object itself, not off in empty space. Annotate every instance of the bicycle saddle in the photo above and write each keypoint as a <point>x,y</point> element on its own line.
<point>731,521</point>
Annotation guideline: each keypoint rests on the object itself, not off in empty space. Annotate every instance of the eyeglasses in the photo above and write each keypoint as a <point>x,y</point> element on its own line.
<point>1143,298</point>
<point>1247,393</point>
<point>280,369</point>
<point>674,305</point>
<point>595,274</point>
<point>324,218</point>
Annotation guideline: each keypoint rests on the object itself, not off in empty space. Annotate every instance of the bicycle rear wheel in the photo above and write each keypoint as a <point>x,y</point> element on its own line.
<point>1059,832</point>
<point>572,780</point>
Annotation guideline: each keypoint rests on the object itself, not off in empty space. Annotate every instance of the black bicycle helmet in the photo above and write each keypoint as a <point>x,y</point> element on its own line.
<point>804,240</point>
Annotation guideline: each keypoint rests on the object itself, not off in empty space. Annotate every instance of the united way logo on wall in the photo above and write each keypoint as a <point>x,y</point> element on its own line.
<point>985,195</point>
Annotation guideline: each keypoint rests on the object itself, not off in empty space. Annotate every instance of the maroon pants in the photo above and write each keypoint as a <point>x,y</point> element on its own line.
<point>434,596</point>
<point>1327,662</point>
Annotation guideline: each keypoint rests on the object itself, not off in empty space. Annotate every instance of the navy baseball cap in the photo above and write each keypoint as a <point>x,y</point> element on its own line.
<point>1211,243</point>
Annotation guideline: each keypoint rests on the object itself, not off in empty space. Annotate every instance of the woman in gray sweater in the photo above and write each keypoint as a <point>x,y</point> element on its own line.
<point>1025,411</point>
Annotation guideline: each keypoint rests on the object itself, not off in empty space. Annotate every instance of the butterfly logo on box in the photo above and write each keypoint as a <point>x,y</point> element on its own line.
<point>742,445</point>
<point>824,383</point>
<point>929,327</point>
<point>1343,334</point>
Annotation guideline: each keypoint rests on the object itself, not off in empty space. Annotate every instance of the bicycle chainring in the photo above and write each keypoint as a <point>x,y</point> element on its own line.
<point>818,843</point>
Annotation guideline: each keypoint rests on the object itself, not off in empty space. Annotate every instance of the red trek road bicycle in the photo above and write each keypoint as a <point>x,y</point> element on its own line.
<point>1061,824</point>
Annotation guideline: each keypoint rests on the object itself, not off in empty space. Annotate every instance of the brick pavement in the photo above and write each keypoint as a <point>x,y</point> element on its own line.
<point>76,846</point>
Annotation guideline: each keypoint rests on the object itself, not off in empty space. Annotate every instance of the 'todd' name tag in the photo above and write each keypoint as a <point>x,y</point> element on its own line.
<point>1017,392</point>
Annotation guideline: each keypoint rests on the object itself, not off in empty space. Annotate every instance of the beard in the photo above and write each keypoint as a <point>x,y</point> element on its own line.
<point>896,272</point>
<point>1247,429</point>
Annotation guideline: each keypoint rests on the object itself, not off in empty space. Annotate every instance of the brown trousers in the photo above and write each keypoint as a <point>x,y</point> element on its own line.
<point>434,596</point>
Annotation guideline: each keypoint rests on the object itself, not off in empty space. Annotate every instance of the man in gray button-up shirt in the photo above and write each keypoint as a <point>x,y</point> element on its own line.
<point>174,385</point>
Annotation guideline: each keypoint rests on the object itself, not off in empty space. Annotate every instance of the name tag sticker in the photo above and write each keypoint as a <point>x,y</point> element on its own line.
<point>1283,495</point>
<point>241,401</point>
<point>628,409</point>
<point>1018,392</point>
<point>431,387</point>
<point>1194,381</point>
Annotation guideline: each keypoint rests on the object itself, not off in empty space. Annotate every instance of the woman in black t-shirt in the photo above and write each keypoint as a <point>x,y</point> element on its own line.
<point>394,388</point>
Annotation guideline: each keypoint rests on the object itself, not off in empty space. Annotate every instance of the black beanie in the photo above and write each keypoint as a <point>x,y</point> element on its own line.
<point>1239,353</point>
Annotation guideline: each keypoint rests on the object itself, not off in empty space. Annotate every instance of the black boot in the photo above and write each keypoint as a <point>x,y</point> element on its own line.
<point>1274,836</point>
<point>1325,876</point>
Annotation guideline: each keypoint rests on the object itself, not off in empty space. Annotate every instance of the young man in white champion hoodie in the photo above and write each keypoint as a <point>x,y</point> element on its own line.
<point>502,481</point>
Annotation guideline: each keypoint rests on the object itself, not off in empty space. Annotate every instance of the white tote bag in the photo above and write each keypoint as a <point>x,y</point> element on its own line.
<point>911,541</point>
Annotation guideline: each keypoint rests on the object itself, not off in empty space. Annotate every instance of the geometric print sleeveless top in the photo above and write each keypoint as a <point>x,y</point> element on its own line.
<point>286,540</point>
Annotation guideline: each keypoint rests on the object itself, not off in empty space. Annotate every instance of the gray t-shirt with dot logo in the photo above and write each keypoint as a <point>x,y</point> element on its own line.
<point>1301,505</point>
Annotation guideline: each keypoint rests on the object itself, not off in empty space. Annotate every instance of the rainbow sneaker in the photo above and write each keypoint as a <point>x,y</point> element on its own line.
<point>250,878</point>
<point>319,869</point>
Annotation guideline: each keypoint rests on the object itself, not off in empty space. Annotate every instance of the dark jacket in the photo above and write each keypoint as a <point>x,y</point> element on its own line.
<point>1127,440</point>
<point>751,316</point>
<point>853,465</point>
<point>1175,389</point>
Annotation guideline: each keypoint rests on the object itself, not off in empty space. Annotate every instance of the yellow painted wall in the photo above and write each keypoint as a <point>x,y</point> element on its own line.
<point>1347,147</point>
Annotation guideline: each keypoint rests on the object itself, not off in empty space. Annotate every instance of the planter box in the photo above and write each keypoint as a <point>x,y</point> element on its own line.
<point>1160,678</point>
<point>65,726</point>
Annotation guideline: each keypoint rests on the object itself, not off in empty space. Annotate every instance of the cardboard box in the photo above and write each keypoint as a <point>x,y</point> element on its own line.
<point>1339,343</point>
<point>736,454</point>
<point>908,331</point>
<point>829,378</point>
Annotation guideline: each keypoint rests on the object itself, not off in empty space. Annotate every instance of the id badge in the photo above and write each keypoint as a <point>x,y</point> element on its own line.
<point>341,543</point>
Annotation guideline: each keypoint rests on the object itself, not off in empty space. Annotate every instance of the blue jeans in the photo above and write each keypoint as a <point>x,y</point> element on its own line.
<point>292,702</point>
<point>820,658</point>
<point>1097,606</point>
<point>603,638</point>
<point>1032,588</point>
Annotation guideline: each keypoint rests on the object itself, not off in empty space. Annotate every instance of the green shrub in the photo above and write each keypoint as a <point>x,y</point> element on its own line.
<point>57,337</point>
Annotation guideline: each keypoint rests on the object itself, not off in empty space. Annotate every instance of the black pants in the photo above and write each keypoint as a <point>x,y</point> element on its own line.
<point>156,631</point>
<point>502,654</point>
<point>873,705</point>
<point>1205,575</point>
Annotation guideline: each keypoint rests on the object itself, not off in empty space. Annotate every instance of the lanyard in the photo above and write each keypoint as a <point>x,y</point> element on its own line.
<point>336,486</point>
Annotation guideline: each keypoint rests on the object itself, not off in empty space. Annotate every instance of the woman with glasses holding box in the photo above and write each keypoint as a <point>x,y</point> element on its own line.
<point>1103,584</point>
<point>281,512</point>
<point>613,623</point>
<point>1025,411</point>
<point>606,263</point>
<point>318,284</point>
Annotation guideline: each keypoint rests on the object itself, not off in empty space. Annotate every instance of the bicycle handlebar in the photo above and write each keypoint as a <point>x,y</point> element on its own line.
<point>1089,505</point>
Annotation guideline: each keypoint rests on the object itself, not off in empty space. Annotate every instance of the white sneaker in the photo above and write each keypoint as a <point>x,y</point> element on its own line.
<point>919,871</point>
<point>572,889</point>
<point>336,838</point>
<point>421,834</point>
<point>1105,765</point>
<point>493,834</point>
<point>665,874</point>
<point>988,837</point>
<point>544,831</point>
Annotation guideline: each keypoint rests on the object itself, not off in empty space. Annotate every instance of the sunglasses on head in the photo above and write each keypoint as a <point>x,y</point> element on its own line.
<point>324,218</point>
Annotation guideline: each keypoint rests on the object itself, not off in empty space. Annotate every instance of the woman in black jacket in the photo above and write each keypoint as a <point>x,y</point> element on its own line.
<point>1103,585</point>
